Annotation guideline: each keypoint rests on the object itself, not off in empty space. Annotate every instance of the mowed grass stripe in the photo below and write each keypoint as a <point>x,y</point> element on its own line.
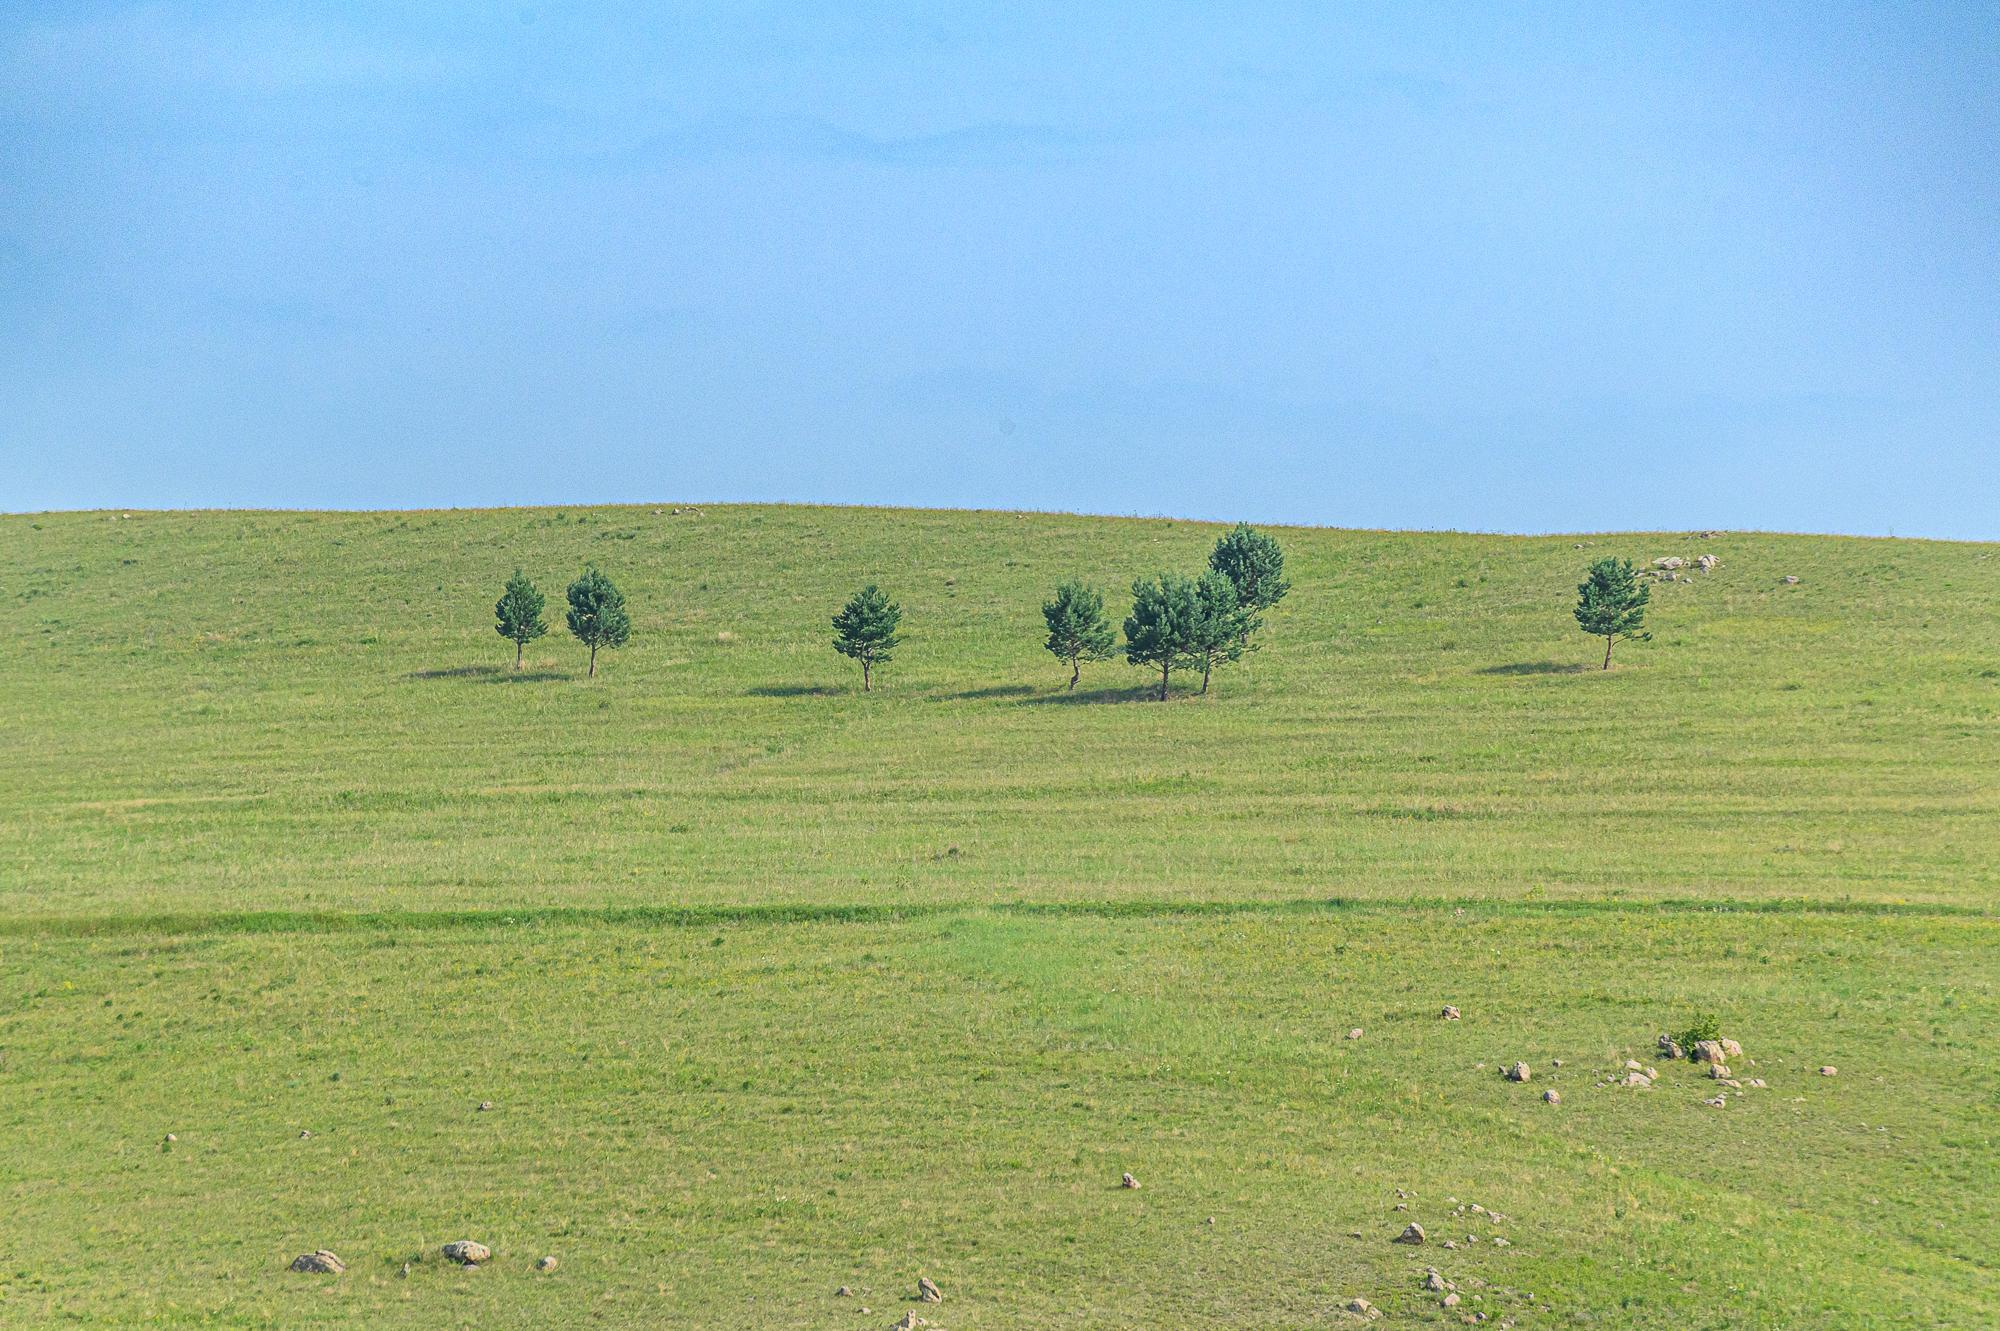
<point>696,917</point>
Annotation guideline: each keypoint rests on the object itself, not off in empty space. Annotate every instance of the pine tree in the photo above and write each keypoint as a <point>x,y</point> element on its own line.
<point>1160,632</point>
<point>1611,603</point>
<point>597,613</point>
<point>1078,630</point>
<point>865,630</point>
<point>1221,628</point>
<point>1255,566</point>
<point>519,614</point>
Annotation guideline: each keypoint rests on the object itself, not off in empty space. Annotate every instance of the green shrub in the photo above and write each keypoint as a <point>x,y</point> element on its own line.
<point>1706,1026</point>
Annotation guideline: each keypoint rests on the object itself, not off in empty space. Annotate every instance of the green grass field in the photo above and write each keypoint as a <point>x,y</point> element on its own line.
<point>776,987</point>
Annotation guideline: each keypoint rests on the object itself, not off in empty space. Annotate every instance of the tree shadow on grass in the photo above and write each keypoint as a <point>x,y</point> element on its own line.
<point>1536,668</point>
<point>795,691</point>
<point>489,674</point>
<point>995,691</point>
<point>1082,697</point>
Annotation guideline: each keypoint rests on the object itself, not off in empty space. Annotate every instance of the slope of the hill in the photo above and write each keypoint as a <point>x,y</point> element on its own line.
<point>213,712</point>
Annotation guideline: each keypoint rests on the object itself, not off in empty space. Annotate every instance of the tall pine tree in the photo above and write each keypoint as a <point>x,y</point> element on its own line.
<point>1255,566</point>
<point>865,630</point>
<point>1221,628</point>
<point>1611,603</point>
<point>518,613</point>
<point>1160,631</point>
<point>597,613</point>
<point>1078,630</point>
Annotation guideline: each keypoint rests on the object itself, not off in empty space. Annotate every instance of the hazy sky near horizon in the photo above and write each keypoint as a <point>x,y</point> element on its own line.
<point>1504,267</point>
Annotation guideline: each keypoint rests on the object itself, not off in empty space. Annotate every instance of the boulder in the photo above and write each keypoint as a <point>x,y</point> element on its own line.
<point>1637,1079</point>
<point>1450,1013</point>
<point>1791,580</point>
<point>1707,1051</point>
<point>1354,1034</point>
<point>1127,1181</point>
<point>546,1264</point>
<point>467,1252</point>
<point>1363,1308</point>
<point>1671,1048</point>
<point>1730,1049</point>
<point>1518,1072</point>
<point>1552,1096</point>
<point>1828,1071</point>
<point>1413,1233</point>
<point>1670,562</point>
<point>319,1263</point>
<point>927,1290</point>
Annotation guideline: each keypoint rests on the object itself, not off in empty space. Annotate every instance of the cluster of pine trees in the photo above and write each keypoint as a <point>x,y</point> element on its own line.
<point>596,614</point>
<point>1177,622</point>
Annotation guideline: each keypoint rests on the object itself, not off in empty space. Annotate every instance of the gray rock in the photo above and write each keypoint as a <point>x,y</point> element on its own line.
<point>1354,1034</point>
<point>1706,563</point>
<point>1363,1308</point>
<point>319,1263</point>
<point>467,1252</point>
<point>1790,580</point>
<point>1448,1301</point>
<point>928,1291</point>
<point>1718,1071</point>
<point>1434,1283</point>
<point>1412,1233</point>
<point>1730,1049</point>
<point>1127,1181</point>
<point>549,1264</point>
<point>1829,1071</point>
<point>1637,1079</point>
<point>1670,562</point>
<point>1518,1072</point>
<point>1708,1051</point>
<point>1552,1096</point>
<point>1450,1013</point>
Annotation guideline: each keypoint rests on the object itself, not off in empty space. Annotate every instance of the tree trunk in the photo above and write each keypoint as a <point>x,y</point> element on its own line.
<point>1607,649</point>
<point>593,663</point>
<point>1075,669</point>
<point>1207,665</point>
<point>519,647</point>
<point>1164,668</point>
<point>864,674</point>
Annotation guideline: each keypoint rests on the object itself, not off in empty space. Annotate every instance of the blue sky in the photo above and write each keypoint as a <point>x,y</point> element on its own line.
<point>1525,268</point>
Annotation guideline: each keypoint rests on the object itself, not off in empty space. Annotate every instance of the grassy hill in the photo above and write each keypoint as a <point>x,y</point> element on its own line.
<point>219,712</point>
<point>774,986</point>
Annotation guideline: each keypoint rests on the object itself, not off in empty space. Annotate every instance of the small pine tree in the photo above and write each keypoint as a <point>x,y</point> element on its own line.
<point>865,630</point>
<point>1221,628</point>
<point>519,614</point>
<point>597,613</point>
<point>1611,603</point>
<point>1160,632</point>
<point>1255,566</point>
<point>1078,630</point>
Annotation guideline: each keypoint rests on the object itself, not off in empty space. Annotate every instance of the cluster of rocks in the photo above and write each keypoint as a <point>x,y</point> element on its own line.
<point>1669,568</point>
<point>469,1253</point>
